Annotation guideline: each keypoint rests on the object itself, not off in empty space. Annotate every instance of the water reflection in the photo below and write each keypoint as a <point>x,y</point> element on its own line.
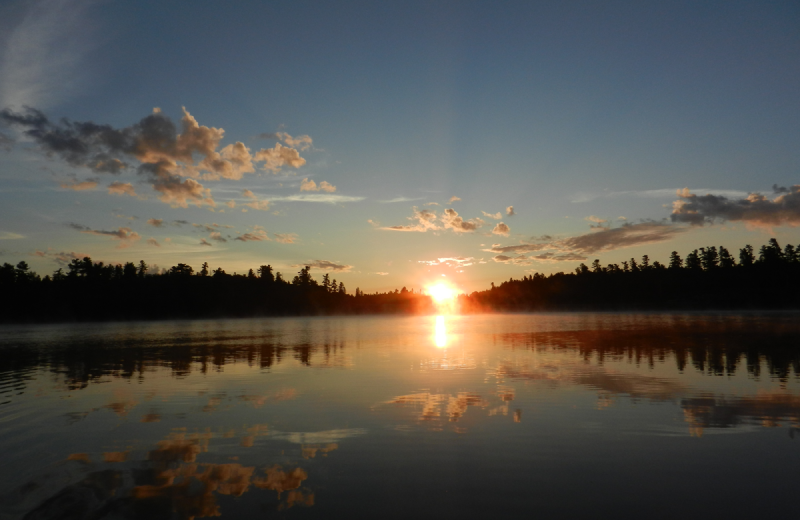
<point>251,417</point>
<point>440,334</point>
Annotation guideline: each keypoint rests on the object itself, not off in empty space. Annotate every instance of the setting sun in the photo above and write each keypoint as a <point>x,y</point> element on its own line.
<point>441,293</point>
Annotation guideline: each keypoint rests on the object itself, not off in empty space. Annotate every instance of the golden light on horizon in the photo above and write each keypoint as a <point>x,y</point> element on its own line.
<point>442,293</point>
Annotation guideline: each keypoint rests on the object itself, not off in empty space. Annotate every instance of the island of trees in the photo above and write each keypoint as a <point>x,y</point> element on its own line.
<point>707,278</point>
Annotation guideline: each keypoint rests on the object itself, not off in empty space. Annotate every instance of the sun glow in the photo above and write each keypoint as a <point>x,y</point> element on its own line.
<point>440,333</point>
<point>441,293</point>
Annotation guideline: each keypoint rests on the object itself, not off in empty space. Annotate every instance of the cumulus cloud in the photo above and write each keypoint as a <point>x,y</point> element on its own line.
<point>156,222</point>
<point>451,220</point>
<point>301,142</point>
<point>204,242</point>
<point>326,265</point>
<point>756,209</point>
<point>279,156</point>
<point>285,238</point>
<point>164,154</point>
<point>80,186</point>
<point>125,235</point>
<point>425,219</point>
<point>510,211</point>
<point>455,262</point>
<point>501,229</point>
<point>310,185</point>
<point>217,236</point>
<point>496,216</point>
<point>121,188</point>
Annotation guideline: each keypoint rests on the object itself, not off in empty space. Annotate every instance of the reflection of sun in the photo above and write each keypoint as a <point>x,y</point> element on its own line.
<point>440,335</point>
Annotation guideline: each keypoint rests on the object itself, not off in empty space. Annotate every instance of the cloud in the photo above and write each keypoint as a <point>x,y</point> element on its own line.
<point>307,185</point>
<point>276,158</point>
<point>61,258</point>
<point>249,194</point>
<point>302,142</point>
<point>204,242</point>
<point>451,220</point>
<point>6,143</point>
<point>501,229</point>
<point>7,235</point>
<point>651,194</point>
<point>756,209</point>
<point>596,220</point>
<point>285,238</point>
<point>599,240</point>
<point>43,53</point>
<point>317,197</point>
<point>510,211</point>
<point>153,242</point>
<point>380,273</point>
<point>516,260</point>
<point>121,188</point>
<point>261,205</point>
<point>425,219</point>
<point>257,235</point>
<point>231,204</point>
<point>406,199</point>
<point>217,236</point>
<point>156,222</point>
<point>80,186</point>
<point>327,265</point>
<point>125,235</point>
<point>496,216</point>
<point>455,262</point>
<point>181,222</point>
<point>164,154</point>
<point>453,199</point>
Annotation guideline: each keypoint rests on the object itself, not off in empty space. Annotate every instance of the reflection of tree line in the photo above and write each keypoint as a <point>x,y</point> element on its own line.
<point>710,346</point>
<point>83,363</point>
<point>705,279</point>
<point>96,291</point>
<point>169,482</point>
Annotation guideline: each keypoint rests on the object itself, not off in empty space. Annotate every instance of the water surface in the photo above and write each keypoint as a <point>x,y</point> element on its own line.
<point>563,415</point>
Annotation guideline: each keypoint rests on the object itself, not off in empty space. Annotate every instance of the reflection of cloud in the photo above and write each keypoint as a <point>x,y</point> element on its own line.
<point>434,404</point>
<point>768,410</point>
<point>115,456</point>
<point>310,450</point>
<point>320,437</point>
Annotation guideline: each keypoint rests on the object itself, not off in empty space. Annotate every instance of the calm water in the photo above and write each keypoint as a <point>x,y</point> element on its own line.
<point>514,416</point>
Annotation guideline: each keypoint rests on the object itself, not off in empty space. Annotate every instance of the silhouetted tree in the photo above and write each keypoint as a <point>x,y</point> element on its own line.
<point>746,256</point>
<point>675,261</point>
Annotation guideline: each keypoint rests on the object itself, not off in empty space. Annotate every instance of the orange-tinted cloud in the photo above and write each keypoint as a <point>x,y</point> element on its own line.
<point>310,185</point>
<point>756,209</point>
<point>121,188</point>
<point>80,186</point>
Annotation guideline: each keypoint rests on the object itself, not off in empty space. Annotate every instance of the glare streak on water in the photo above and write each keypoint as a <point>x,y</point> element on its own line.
<point>470,416</point>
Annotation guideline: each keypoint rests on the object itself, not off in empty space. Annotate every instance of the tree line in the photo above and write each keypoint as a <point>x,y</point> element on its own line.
<point>707,278</point>
<point>94,291</point>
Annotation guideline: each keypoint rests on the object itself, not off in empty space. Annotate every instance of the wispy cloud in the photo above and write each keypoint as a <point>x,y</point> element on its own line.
<point>42,62</point>
<point>661,193</point>
<point>125,235</point>
<point>327,266</point>
<point>80,186</point>
<point>455,262</point>
<point>406,199</point>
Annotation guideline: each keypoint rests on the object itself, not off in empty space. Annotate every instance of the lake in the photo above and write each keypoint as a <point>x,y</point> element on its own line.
<point>509,416</point>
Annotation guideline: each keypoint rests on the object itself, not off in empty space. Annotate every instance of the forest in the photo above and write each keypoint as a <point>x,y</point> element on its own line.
<point>707,278</point>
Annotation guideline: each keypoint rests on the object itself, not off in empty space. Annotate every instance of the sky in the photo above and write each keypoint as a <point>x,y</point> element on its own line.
<point>392,144</point>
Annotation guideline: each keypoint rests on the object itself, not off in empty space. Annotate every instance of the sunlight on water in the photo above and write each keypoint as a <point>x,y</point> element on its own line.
<point>440,336</point>
<point>502,416</point>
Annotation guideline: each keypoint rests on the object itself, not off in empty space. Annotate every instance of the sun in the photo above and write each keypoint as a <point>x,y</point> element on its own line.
<point>441,293</point>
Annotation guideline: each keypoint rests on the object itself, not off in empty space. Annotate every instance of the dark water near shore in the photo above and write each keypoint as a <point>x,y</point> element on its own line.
<point>509,416</point>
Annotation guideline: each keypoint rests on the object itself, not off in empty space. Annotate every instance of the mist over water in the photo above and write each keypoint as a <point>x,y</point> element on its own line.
<point>571,415</point>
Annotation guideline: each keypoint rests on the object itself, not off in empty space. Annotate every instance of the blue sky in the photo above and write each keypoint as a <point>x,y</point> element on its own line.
<point>574,113</point>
